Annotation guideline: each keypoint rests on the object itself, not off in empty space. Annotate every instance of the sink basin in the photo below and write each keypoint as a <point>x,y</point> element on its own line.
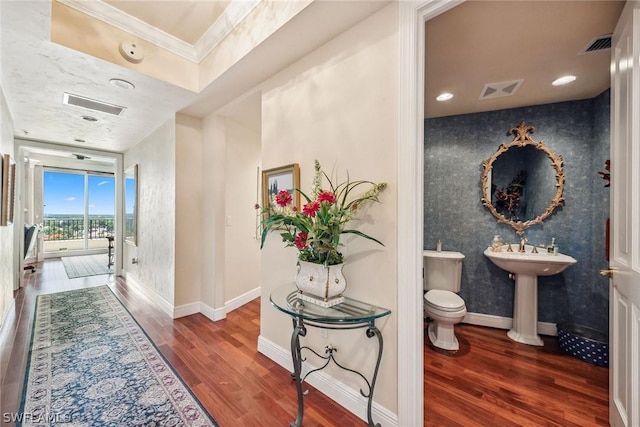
<point>540,264</point>
<point>527,267</point>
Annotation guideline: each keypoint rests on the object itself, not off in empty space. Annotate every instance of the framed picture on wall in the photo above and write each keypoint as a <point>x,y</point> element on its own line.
<point>282,178</point>
<point>8,190</point>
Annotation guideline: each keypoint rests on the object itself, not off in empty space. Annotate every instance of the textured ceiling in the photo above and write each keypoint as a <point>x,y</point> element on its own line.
<point>472,44</point>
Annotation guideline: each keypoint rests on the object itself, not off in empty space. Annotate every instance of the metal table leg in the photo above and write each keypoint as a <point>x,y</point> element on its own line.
<point>371,332</point>
<point>299,330</point>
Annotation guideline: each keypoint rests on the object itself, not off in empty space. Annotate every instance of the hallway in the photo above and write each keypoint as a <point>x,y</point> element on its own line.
<point>490,381</point>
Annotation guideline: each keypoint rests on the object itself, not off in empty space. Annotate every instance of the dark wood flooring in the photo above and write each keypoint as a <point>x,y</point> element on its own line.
<point>490,381</point>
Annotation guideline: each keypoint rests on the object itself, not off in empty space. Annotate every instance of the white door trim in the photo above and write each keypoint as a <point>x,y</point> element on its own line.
<point>412,16</point>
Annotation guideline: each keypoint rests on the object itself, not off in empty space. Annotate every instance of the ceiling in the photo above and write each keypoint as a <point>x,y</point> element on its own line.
<point>491,42</point>
<point>473,44</point>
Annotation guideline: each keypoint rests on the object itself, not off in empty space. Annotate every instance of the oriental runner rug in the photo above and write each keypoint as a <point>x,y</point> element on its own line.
<point>91,364</point>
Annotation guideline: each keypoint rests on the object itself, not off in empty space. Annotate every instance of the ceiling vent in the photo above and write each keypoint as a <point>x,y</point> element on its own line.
<point>92,104</point>
<point>497,90</point>
<point>597,44</point>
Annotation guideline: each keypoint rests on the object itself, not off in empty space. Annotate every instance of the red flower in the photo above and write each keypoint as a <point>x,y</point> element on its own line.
<point>301,240</point>
<point>311,208</point>
<point>283,198</point>
<point>326,196</point>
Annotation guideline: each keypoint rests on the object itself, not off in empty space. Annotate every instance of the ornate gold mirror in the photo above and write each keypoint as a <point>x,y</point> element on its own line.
<point>519,187</point>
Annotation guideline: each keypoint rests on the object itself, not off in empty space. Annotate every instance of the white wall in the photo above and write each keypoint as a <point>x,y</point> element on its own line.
<point>7,251</point>
<point>213,212</point>
<point>242,251</point>
<point>230,251</point>
<point>339,105</point>
<point>189,194</point>
<point>155,156</point>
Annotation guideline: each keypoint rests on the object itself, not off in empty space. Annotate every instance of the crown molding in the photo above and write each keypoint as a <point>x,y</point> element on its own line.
<point>232,16</point>
<point>235,13</point>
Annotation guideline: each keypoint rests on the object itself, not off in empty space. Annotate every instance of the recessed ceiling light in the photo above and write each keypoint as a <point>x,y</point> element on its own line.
<point>563,80</point>
<point>122,84</point>
<point>89,118</point>
<point>444,96</point>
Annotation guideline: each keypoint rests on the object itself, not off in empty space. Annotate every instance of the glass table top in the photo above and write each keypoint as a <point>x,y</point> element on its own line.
<point>350,311</point>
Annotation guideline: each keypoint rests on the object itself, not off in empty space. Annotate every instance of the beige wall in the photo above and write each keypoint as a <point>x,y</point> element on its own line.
<point>155,156</point>
<point>242,252</point>
<point>339,105</point>
<point>7,251</point>
<point>189,194</point>
<point>213,179</point>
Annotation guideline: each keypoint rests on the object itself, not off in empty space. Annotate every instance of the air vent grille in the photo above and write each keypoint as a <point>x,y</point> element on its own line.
<point>92,104</point>
<point>497,90</point>
<point>598,44</point>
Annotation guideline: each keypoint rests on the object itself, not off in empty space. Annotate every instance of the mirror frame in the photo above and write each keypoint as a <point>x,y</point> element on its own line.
<point>131,173</point>
<point>522,139</point>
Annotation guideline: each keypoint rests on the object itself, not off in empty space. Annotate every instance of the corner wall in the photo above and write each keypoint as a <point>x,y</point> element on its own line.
<point>242,248</point>
<point>155,250</point>
<point>188,206</point>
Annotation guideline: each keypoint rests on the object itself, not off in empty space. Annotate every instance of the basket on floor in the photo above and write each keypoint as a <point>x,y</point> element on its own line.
<point>584,343</point>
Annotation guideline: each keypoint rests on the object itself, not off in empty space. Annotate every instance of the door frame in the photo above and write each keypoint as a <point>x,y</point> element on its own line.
<point>410,167</point>
<point>21,146</point>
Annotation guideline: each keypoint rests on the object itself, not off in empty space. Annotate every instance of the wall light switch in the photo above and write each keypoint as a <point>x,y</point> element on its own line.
<point>228,220</point>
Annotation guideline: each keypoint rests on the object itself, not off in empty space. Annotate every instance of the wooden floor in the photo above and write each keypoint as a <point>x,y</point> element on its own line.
<point>490,381</point>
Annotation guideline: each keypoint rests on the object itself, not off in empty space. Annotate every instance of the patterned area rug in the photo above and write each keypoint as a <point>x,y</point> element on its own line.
<point>91,364</point>
<point>86,265</point>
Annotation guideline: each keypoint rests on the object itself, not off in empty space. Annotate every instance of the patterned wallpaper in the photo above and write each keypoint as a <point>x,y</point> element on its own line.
<point>454,150</point>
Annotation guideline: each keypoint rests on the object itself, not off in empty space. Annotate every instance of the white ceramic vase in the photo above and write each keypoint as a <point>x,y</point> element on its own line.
<point>322,285</point>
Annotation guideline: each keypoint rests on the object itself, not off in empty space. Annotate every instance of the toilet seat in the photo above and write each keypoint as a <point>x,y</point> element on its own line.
<point>446,301</point>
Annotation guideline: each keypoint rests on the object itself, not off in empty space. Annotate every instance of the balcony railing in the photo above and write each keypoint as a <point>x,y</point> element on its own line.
<point>73,228</point>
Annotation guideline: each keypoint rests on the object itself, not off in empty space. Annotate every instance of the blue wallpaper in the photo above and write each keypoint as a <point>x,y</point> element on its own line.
<point>455,147</point>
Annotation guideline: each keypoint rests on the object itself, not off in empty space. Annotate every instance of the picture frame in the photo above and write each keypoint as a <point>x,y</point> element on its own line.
<point>8,190</point>
<point>281,178</point>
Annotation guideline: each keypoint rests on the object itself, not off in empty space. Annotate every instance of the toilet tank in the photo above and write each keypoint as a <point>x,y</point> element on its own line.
<point>442,270</point>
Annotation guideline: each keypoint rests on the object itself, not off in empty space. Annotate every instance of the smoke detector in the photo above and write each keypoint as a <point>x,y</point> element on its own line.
<point>132,52</point>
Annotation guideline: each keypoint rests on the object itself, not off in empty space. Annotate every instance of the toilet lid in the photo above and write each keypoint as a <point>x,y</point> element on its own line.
<point>444,300</point>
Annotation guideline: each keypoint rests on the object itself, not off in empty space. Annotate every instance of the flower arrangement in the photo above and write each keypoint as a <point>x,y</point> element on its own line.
<point>315,231</point>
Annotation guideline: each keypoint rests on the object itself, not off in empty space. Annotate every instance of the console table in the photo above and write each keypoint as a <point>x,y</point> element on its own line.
<point>350,314</point>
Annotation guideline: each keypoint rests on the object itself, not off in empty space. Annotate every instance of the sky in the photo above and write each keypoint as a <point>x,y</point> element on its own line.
<point>64,194</point>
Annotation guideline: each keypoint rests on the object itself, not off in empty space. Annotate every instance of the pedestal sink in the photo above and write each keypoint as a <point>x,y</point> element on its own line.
<point>527,266</point>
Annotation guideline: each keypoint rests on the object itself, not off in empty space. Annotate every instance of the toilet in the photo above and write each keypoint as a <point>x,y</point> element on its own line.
<point>442,276</point>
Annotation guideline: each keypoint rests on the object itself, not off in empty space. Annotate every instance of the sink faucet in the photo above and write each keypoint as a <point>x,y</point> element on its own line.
<point>523,241</point>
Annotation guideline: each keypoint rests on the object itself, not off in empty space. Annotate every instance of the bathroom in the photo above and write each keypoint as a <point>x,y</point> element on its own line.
<point>456,146</point>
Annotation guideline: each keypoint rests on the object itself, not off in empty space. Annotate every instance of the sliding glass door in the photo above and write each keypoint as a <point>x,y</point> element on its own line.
<point>79,211</point>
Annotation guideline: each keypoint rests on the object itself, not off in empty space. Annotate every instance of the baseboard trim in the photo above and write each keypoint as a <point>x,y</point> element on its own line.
<point>241,300</point>
<point>186,309</point>
<point>155,297</point>
<point>3,320</point>
<point>213,313</point>
<point>499,322</point>
<point>345,396</point>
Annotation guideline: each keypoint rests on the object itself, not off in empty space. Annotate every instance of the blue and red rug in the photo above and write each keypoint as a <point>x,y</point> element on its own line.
<point>91,364</point>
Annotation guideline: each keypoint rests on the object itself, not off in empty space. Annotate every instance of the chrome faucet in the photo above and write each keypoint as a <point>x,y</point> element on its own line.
<point>523,241</point>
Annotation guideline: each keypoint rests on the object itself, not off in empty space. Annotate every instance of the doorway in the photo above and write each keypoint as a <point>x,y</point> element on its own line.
<point>79,211</point>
